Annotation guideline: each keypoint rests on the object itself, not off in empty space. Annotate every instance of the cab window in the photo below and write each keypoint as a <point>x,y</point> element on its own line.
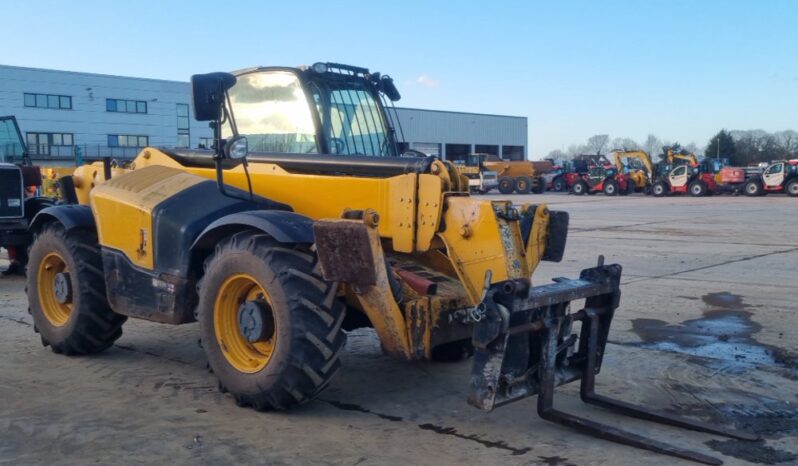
<point>271,110</point>
<point>680,170</point>
<point>775,168</point>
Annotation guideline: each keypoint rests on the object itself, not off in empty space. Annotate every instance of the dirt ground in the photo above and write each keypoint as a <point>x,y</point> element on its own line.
<point>708,328</point>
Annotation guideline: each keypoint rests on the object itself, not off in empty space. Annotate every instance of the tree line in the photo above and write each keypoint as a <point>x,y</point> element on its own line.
<point>750,147</point>
<point>740,147</point>
<point>601,144</point>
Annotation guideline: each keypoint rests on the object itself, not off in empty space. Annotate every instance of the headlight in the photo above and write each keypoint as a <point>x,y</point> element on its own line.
<point>319,68</point>
<point>236,148</point>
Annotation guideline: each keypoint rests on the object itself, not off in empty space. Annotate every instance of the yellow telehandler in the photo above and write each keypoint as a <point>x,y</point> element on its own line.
<point>641,179</point>
<point>304,221</point>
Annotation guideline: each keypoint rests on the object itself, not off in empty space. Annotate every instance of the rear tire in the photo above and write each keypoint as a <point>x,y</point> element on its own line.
<point>523,185</point>
<point>78,320</point>
<point>579,188</point>
<point>540,185</point>
<point>753,188</point>
<point>506,185</point>
<point>791,188</point>
<point>698,188</point>
<point>659,189</point>
<point>611,188</point>
<point>297,354</point>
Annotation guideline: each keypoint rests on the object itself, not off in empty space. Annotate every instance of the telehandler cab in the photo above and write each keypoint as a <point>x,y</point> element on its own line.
<point>316,224</point>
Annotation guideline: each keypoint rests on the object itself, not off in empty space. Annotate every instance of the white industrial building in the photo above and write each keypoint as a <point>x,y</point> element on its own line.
<point>65,115</point>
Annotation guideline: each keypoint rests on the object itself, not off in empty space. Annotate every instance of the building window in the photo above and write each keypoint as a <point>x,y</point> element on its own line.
<point>183,133</point>
<point>457,152</point>
<point>128,140</point>
<point>62,102</point>
<point>486,149</point>
<point>125,106</point>
<point>42,143</point>
<point>429,148</point>
<point>513,152</point>
<point>205,143</point>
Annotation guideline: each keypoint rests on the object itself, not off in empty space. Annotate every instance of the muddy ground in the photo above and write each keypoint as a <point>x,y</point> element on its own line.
<point>708,328</point>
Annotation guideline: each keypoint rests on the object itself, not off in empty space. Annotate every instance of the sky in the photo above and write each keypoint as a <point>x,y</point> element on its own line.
<point>679,69</point>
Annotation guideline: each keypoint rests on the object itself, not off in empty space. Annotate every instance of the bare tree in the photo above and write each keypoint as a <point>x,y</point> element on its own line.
<point>624,144</point>
<point>597,143</point>
<point>557,154</point>
<point>692,148</point>
<point>652,145</point>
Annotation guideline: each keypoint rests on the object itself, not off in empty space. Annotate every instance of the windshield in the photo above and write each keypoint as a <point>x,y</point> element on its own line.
<point>351,118</point>
<point>271,110</point>
<point>10,142</point>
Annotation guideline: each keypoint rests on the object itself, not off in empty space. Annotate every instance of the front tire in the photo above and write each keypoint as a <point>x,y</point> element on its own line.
<point>66,292</point>
<point>659,189</point>
<point>698,189</point>
<point>270,325</point>
<point>559,185</point>
<point>611,188</point>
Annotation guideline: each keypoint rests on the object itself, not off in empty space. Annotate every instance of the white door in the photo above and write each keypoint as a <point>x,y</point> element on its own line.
<point>774,175</point>
<point>679,176</point>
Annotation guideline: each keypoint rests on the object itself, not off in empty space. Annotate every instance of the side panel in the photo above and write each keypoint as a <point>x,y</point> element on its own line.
<point>140,293</point>
<point>322,196</point>
<point>123,208</point>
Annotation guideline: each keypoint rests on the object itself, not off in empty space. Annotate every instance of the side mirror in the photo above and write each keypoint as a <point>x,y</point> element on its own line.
<point>207,94</point>
<point>389,88</point>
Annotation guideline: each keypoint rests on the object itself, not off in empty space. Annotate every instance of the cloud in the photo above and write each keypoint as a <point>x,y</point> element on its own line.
<point>427,81</point>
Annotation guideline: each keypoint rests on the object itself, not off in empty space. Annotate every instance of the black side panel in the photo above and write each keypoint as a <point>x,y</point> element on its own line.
<point>179,220</point>
<point>314,163</point>
<point>11,194</point>
<point>34,205</point>
<point>71,216</point>
<point>138,293</point>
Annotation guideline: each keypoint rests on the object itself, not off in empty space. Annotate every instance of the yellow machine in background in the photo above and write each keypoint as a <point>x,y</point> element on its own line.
<point>304,222</point>
<point>641,178</point>
<point>517,176</point>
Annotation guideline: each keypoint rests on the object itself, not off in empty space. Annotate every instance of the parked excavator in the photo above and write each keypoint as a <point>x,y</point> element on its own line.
<point>304,221</point>
<point>641,177</point>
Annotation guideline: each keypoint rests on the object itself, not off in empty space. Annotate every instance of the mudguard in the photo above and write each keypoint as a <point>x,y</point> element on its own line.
<point>71,216</point>
<point>283,226</point>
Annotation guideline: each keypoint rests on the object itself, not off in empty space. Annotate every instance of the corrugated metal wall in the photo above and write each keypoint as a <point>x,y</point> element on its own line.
<point>442,127</point>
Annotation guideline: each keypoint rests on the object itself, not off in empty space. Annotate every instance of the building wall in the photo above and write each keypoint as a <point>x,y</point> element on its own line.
<point>422,127</point>
<point>90,123</point>
<point>88,120</point>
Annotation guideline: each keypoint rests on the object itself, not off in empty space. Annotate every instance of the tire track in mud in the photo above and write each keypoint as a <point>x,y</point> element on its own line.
<point>451,431</point>
<point>719,264</point>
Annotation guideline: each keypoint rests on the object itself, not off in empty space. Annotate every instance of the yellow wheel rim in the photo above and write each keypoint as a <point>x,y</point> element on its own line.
<point>245,356</point>
<point>57,313</point>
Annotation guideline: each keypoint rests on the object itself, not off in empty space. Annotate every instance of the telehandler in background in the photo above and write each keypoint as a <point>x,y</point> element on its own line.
<point>304,221</point>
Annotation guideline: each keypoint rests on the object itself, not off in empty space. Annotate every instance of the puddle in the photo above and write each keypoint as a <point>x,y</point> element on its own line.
<point>754,452</point>
<point>723,333</point>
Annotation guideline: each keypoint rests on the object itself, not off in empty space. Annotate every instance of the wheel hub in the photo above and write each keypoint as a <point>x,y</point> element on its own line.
<point>62,287</point>
<point>252,321</point>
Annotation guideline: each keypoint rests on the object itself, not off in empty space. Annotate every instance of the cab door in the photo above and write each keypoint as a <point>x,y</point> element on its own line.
<point>773,176</point>
<point>679,176</point>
